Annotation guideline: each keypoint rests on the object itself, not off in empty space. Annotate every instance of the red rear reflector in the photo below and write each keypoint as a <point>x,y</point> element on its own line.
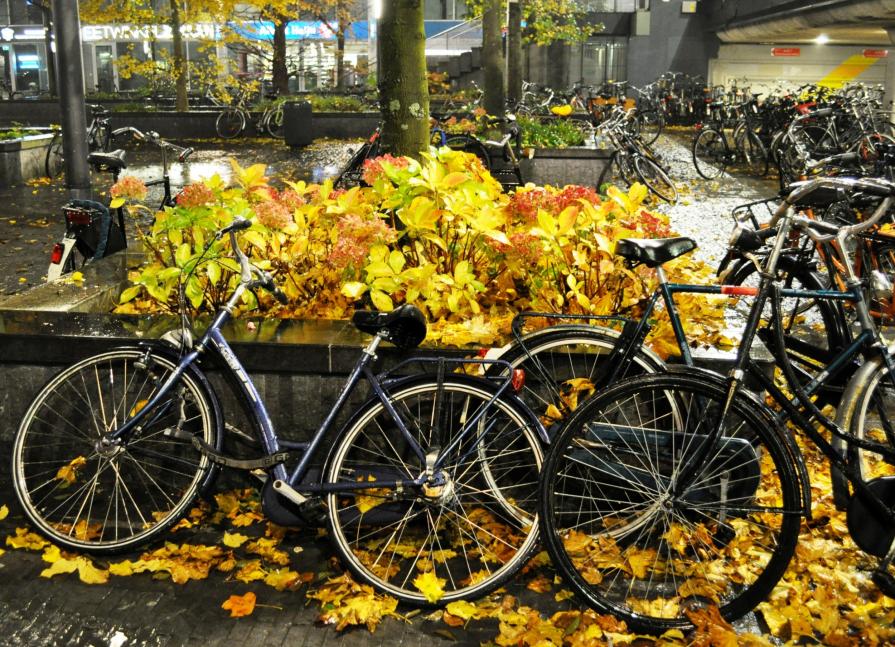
<point>56,256</point>
<point>739,290</point>
<point>77,216</point>
<point>483,352</point>
<point>518,380</point>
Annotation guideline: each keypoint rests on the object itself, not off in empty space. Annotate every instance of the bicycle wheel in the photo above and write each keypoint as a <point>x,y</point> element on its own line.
<point>565,364</point>
<point>752,152</point>
<point>633,542</point>
<point>469,144</point>
<point>867,411</point>
<point>352,173</point>
<point>274,123</point>
<point>54,163</point>
<point>654,177</point>
<point>619,167</point>
<point>651,124</point>
<point>230,123</point>
<point>91,498</point>
<point>710,153</point>
<point>470,534</point>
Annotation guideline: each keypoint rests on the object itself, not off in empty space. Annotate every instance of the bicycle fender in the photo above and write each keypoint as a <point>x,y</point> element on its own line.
<point>759,407</point>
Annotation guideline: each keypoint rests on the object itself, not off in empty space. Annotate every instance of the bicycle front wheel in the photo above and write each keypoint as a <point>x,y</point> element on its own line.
<point>710,154</point>
<point>566,364</point>
<point>459,538</point>
<point>274,123</point>
<point>634,541</point>
<point>54,163</point>
<point>656,179</point>
<point>86,496</point>
<point>230,123</point>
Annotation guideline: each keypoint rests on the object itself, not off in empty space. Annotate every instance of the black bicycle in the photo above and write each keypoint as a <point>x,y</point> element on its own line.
<point>99,138</point>
<point>664,494</point>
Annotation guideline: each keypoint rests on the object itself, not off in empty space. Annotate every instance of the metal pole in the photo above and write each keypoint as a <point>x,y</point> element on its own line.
<point>70,69</point>
<point>51,55</point>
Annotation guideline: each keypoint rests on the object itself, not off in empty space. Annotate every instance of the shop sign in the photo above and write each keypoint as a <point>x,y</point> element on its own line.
<point>94,33</point>
<point>876,53</point>
<point>22,33</point>
<point>786,51</point>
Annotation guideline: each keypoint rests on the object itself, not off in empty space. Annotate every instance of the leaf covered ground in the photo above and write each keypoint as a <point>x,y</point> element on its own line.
<point>826,596</point>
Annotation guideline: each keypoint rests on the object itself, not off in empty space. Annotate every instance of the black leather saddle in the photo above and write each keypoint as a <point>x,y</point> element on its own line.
<point>111,161</point>
<point>652,252</point>
<point>405,326</point>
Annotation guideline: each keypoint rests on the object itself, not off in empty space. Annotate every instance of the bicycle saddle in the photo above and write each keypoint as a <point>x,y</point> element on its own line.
<point>405,326</point>
<point>111,161</point>
<point>653,252</point>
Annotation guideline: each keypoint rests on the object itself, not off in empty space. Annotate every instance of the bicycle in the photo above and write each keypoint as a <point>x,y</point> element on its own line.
<point>352,172</point>
<point>232,121</point>
<point>435,473</point>
<point>91,233</point>
<point>667,493</point>
<point>633,157</point>
<point>713,152</point>
<point>99,138</point>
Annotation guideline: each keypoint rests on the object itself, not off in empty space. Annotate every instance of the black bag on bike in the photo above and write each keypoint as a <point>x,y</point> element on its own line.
<point>98,235</point>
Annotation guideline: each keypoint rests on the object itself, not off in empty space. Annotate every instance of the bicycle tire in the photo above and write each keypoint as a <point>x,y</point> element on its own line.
<point>77,403</point>
<point>651,124</point>
<point>630,547</point>
<point>752,152</point>
<point>656,179</point>
<point>274,124</point>
<point>230,123</point>
<point>469,144</point>
<point>352,173</point>
<point>500,523</point>
<point>619,167</point>
<point>564,362</point>
<point>867,411</point>
<point>710,152</point>
<point>54,162</point>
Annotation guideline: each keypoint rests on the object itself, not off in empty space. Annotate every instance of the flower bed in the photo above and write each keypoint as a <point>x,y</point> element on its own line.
<point>439,233</point>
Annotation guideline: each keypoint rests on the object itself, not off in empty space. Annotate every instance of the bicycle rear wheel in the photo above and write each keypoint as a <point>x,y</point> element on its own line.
<point>230,123</point>
<point>634,542</point>
<point>105,499</point>
<point>654,177</point>
<point>274,123</point>
<point>466,536</point>
<point>651,123</point>
<point>710,153</point>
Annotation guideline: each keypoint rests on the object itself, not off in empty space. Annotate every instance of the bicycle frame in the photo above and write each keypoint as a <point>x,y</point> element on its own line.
<point>286,482</point>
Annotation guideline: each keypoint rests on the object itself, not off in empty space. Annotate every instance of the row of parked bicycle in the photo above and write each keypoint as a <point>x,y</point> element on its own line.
<point>657,491</point>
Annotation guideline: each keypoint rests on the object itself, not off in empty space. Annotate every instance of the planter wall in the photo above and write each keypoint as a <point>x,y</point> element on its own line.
<point>23,159</point>
<point>561,166</point>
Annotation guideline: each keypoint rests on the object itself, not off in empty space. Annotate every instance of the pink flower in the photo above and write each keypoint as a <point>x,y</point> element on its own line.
<point>291,199</point>
<point>272,214</point>
<point>356,236</point>
<point>129,187</point>
<point>195,195</point>
<point>373,169</point>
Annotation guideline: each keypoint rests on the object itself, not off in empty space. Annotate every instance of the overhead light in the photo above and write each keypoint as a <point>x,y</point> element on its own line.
<point>822,39</point>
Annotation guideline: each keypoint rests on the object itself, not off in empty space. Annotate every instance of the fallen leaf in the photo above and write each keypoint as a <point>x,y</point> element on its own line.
<point>240,606</point>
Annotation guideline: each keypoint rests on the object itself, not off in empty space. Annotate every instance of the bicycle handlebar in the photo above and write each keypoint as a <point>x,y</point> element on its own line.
<point>246,270</point>
<point>153,137</point>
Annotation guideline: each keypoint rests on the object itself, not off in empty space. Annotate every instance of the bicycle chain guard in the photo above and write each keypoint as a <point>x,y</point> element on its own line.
<point>872,534</point>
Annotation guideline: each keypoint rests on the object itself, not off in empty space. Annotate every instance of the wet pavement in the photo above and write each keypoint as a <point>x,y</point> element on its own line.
<point>31,217</point>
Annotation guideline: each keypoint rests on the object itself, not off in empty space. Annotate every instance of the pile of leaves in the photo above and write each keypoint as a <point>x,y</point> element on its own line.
<point>439,233</point>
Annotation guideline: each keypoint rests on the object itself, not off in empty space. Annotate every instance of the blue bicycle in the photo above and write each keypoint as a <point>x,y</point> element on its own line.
<point>436,472</point>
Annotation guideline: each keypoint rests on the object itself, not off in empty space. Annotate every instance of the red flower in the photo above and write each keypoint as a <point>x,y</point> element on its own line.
<point>195,195</point>
<point>272,214</point>
<point>129,187</point>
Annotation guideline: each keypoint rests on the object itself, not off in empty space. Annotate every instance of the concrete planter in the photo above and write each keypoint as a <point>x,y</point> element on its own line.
<point>23,159</point>
<point>561,166</point>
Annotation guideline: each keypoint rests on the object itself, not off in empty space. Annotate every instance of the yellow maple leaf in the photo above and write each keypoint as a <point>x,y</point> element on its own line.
<point>26,539</point>
<point>430,585</point>
<point>267,548</point>
<point>462,609</point>
<point>87,572</point>
<point>69,473</point>
<point>282,578</point>
<point>240,606</point>
<point>4,512</point>
<point>234,539</point>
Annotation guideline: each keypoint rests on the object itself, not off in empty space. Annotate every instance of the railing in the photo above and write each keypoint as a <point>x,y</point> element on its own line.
<point>457,39</point>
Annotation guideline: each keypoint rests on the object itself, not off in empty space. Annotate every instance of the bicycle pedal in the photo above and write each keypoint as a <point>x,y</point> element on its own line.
<point>885,582</point>
<point>313,511</point>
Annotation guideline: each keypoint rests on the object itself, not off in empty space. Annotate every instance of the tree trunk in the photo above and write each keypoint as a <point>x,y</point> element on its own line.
<point>340,56</point>
<point>280,71</point>
<point>514,53</point>
<point>404,93</point>
<point>492,58</point>
<point>180,68</point>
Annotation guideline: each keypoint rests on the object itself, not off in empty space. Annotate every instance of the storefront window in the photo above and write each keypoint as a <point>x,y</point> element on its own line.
<point>27,69</point>
<point>105,69</point>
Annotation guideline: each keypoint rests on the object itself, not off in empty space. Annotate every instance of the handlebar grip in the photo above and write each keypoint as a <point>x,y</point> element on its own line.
<point>186,152</point>
<point>280,296</point>
<point>238,224</point>
<point>823,112</point>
